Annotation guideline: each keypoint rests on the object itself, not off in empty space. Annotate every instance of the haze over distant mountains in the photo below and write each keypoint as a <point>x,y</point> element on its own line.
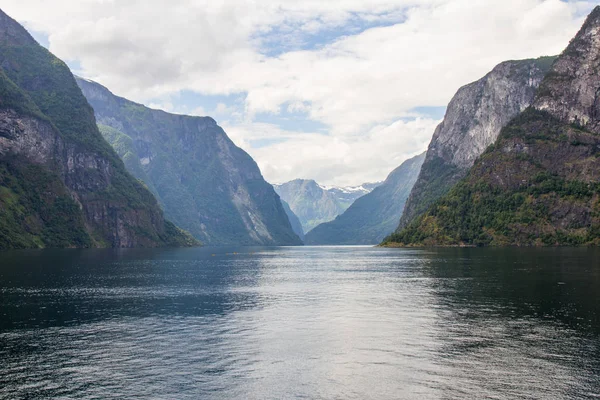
<point>373,216</point>
<point>472,122</point>
<point>514,162</point>
<point>315,204</point>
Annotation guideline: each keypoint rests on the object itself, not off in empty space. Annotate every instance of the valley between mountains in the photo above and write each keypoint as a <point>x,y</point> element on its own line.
<point>514,162</point>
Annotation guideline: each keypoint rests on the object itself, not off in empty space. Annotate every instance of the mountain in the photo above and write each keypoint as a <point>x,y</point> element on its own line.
<point>315,204</point>
<point>473,121</point>
<point>347,195</point>
<point>61,184</point>
<point>539,184</point>
<point>374,215</point>
<point>204,182</point>
<point>294,220</point>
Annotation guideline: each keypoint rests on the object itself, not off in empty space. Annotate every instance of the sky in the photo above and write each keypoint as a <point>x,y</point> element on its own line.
<point>340,91</point>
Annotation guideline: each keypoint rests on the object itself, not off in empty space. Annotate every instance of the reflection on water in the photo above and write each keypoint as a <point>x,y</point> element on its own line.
<point>315,323</point>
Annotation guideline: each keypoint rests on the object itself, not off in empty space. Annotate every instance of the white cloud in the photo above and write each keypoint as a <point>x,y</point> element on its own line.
<point>331,159</point>
<point>426,49</point>
<point>199,112</point>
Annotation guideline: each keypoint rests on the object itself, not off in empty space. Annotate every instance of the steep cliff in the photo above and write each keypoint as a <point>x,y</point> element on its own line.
<point>473,121</point>
<point>539,184</point>
<point>571,90</point>
<point>294,220</point>
<point>61,184</point>
<point>205,183</point>
<point>374,215</point>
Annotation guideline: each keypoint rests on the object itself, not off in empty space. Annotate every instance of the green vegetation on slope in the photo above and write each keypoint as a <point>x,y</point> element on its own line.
<point>37,205</point>
<point>36,210</point>
<point>435,180</point>
<point>538,185</point>
<point>11,97</point>
<point>48,90</point>
<point>475,115</point>
<point>49,83</point>
<point>124,147</point>
<point>205,183</point>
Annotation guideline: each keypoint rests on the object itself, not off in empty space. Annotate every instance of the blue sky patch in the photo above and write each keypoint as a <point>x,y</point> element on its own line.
<point>432,112</point>
<point>293,37</point>
<point>292,121</point>
<point>259,143</point>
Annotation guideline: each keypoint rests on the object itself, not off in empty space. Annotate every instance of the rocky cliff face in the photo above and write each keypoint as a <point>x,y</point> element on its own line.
<point>61,185</point>
<point>539,184</point>
<point>473,121</point>
<point>373,216</point>
<point>205,183</point>
<point>314,204</point>
<point>571,91</point>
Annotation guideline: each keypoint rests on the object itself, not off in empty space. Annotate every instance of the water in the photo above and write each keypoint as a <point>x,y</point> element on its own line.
<point>300,323</point>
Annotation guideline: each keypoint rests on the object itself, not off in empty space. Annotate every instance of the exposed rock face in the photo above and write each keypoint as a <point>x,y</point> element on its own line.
<point>205,183</point>
<point>473,121</point>
<point>374,215</point>
<point>571,91</point>
<point>61,185</point>
<point>539,184</point>
<point>314,204</point>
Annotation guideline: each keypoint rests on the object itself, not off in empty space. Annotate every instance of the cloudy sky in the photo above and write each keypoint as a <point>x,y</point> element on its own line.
<point>341,91</point>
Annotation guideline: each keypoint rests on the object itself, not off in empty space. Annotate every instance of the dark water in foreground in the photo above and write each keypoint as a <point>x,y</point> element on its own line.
<point>300,323</point>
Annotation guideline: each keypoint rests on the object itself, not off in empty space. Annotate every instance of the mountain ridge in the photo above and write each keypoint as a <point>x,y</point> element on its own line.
<point>373,216</point>
<point>315,204</point>
<point>61,184</point>
<point>539,183</point>
<point>205,183</point>
<point>473,120</point>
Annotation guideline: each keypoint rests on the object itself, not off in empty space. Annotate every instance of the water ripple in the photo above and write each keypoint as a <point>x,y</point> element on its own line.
<point>301,323</point>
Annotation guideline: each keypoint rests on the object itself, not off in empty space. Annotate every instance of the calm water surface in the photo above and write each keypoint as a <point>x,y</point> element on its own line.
<point>300,323</point>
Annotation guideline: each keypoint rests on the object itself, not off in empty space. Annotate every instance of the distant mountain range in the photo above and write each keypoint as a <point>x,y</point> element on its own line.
<point>473,121</point>
<point>515,162</point>
<point>346,195</point>
<point>373,216</point>
<point>315,204</point>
